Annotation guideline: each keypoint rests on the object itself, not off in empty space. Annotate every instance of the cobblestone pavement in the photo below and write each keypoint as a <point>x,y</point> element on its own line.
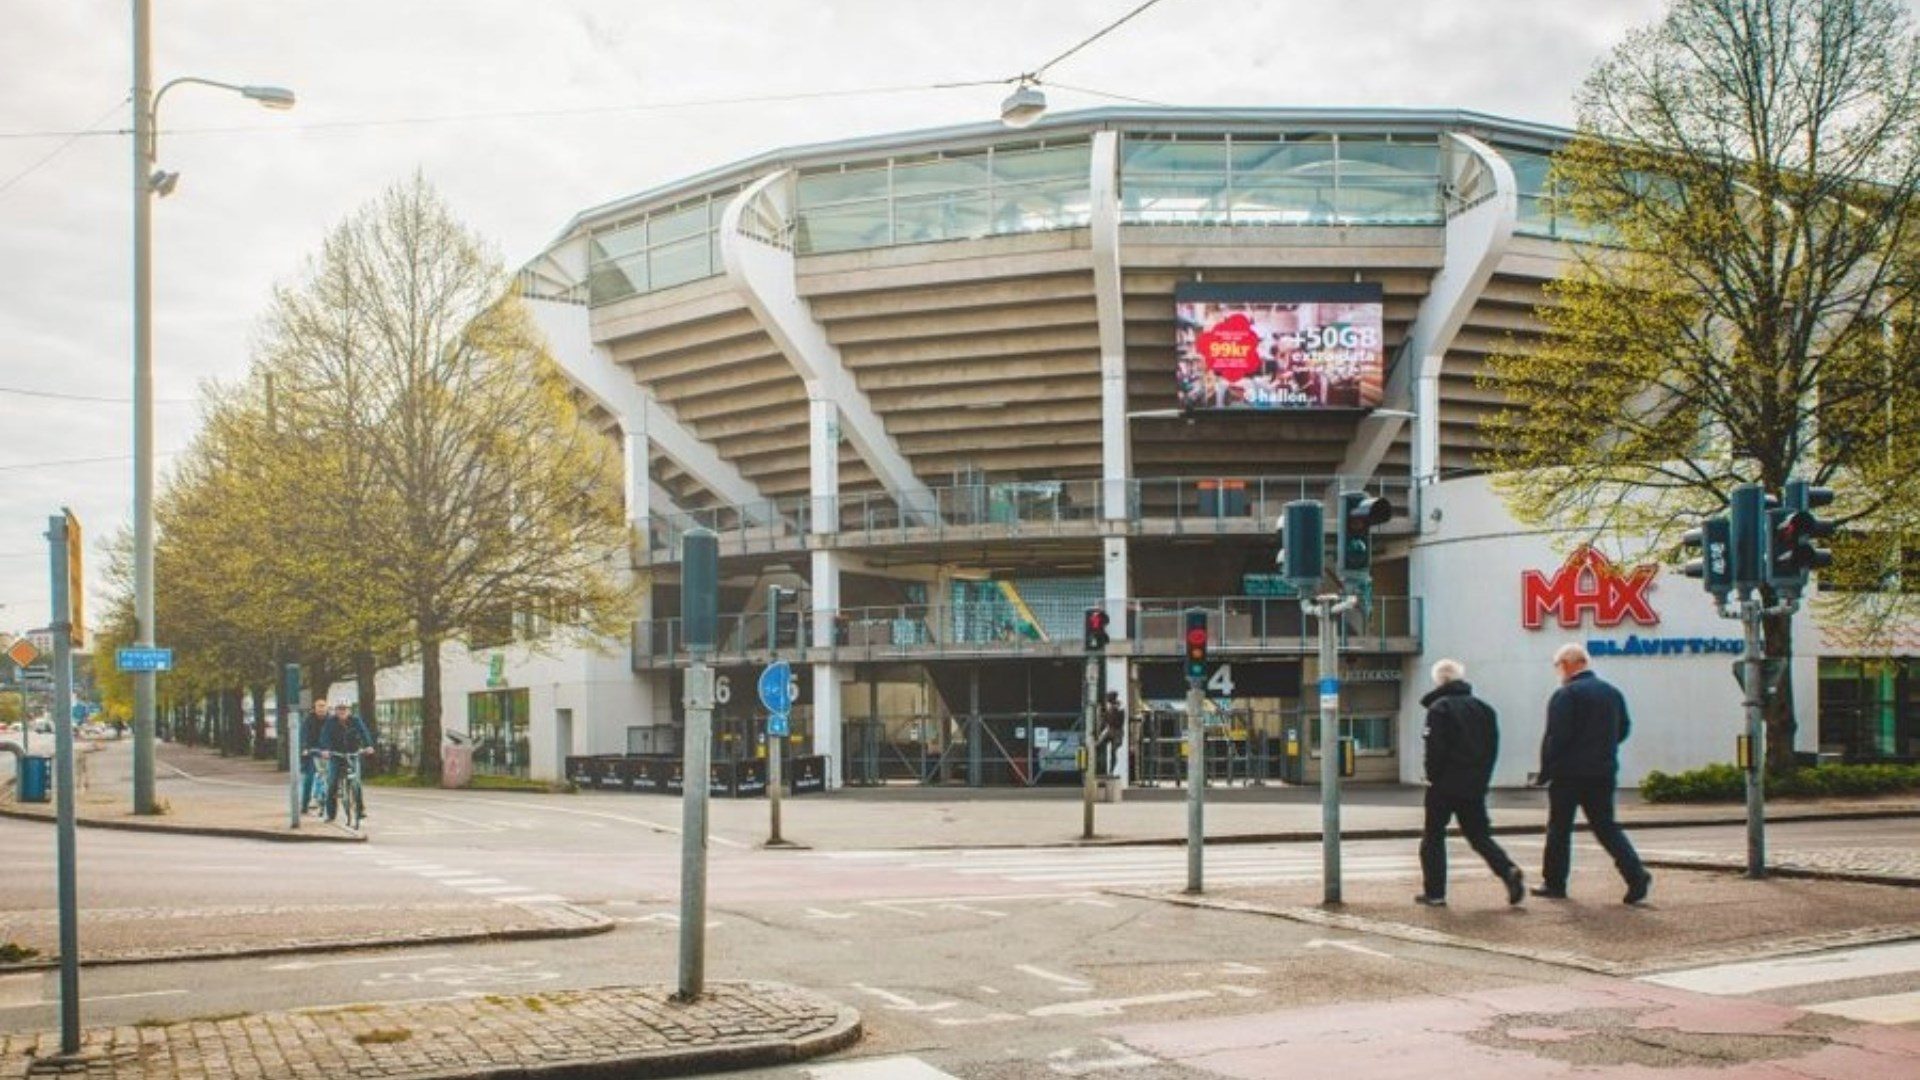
<point>137,935</point>
<point>1871,864</point>
<point>616,1031</point>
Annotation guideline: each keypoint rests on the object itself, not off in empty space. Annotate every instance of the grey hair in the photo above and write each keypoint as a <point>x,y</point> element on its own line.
<point>1573,652</point>
<point>1446,671</point>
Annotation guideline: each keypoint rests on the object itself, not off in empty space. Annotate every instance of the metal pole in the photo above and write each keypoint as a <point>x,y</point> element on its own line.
<point>1329,741</point>
<point>693,830</point>
<point>1196,784</point>
<point>776,745</point>
<point>63,789</point>
<point>288,709</point>
<point>1092,695</point>
<point>143,628</point>
<point>1750,616</point>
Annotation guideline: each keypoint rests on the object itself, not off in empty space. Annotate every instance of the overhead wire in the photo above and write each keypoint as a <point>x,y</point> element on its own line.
<point>71,138</point>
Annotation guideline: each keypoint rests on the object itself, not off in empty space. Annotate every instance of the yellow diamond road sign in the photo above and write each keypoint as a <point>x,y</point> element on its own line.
<point>22,652</point>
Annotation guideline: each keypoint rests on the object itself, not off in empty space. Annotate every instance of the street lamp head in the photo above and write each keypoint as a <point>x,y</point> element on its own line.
<point>1023,106</point>
<point>273,97</point>
<point>163,182</point>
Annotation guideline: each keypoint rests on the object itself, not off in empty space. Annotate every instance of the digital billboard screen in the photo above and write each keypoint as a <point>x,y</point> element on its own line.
<point>1259,348</point>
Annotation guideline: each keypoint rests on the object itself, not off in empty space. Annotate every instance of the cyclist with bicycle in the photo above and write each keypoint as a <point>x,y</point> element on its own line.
<point>342,736</point>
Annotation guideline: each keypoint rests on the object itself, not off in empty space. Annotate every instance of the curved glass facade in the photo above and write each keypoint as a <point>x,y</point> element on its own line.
<point>656,250</point>
<point>922,198</point>
<point>1308,179</point>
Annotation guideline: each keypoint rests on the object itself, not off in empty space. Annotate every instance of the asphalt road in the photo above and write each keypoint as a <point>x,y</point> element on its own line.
<point>974,962</point>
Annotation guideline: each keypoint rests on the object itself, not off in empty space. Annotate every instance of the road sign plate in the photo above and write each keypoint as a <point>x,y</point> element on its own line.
<point>145,659</point>
<point>776,686</point>
<point>79,711</point>
<point>777,724</point>
<point>22,652</point>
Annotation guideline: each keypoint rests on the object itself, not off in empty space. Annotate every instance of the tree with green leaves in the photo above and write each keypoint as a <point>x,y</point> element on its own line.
<point>1750,315</point>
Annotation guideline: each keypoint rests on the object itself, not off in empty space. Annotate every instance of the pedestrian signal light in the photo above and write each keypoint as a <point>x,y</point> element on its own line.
<point>1747,526</point>
<point>1096,630</point>
<point>1714,566</point>
<point>1197,646</point>
<point>1793,537</point>
<point>1302,533</point>
<point>1359,514</point>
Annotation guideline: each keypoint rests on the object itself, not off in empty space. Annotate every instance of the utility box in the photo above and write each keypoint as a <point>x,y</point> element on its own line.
<point>34,778</point>
<point>456,765</point>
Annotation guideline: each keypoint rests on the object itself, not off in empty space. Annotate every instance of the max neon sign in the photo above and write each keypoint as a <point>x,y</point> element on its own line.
<point>1588,584</point>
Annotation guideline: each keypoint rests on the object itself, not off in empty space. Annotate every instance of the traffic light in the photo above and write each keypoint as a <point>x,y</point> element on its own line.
<point>1714,567</point>
<point>1793,534</point>
<point>1747,537</point>
<point>1302,533</point>
<point>1096,629</point>
<point>1196,646</point>
<point>1359,513</point>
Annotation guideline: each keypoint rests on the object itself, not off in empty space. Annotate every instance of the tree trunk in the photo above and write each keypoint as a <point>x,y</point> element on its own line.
<point>259,721</point>
<point>430,706</point>
<point>364,669</point>
<point>1782,724</point>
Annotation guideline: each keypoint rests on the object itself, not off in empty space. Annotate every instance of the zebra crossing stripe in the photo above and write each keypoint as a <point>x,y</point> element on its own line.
<point>1884,1009</point>
<point>1753,977</point>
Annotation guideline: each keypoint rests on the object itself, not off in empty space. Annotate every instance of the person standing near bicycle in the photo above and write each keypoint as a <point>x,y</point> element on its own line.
<point>342,735</point>
<point>310,726</point>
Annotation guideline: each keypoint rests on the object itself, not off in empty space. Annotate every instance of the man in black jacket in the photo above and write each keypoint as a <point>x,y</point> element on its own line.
<point>1580,762</point>
<point>1463,739</point>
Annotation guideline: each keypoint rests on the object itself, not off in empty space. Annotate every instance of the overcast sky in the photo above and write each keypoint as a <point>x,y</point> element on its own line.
<point>390,86</point>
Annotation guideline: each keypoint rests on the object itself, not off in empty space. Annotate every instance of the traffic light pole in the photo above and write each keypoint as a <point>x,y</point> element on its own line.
<point>1088,748</point>
<point>1196,782</point>
<point>699,614</point>
<point>1326,607</point>
<point>1755,689</point>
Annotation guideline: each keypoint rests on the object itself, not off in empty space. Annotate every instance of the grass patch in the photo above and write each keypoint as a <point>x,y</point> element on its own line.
<point>1728,783</point>
<point>154,1021</point>
<point>15,953</point>
<point>534,1004</point>
<point>383,1036</point>
<point>478,783</point>
<point>399,780</point>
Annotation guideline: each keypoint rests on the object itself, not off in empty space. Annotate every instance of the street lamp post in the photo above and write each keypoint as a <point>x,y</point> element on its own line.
<point>146,181</point>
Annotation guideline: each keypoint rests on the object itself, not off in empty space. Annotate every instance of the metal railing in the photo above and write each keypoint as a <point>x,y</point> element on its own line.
<point>1155,629</point>
<point>1158,506</point>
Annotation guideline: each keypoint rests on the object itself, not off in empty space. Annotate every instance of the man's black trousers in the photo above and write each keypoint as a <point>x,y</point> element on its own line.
<point>1594,798</point>
<point>1472,814</point>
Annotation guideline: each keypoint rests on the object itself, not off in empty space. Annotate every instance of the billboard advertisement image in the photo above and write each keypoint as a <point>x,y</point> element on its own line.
<point>1260,348</point>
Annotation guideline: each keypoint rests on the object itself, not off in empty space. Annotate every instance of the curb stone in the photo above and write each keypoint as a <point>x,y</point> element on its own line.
<point>584,923</point>
<point>231,832</point>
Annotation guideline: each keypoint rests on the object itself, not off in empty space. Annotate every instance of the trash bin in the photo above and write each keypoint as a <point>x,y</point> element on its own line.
<point>456,765</point>
<point>34,779</point>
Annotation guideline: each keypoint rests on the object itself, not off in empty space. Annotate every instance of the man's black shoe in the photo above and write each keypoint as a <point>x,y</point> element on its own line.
<point>1547,892</point>
<point>1516,885</point>
<point>1637,892</point>
<point>1429,901</point>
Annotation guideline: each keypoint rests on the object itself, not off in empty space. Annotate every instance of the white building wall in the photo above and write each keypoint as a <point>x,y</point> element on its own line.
<point>605,695</point>
<point>1686,709</point>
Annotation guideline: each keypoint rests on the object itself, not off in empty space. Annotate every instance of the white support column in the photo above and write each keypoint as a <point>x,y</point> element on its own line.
<point>829,712</point>
<point>1477,238</point>
<point>762,273</point>
<point>1116,457</point>
<point>823,461</point>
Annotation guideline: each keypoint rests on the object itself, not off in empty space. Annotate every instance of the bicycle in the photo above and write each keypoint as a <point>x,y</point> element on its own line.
<point>351,793</point>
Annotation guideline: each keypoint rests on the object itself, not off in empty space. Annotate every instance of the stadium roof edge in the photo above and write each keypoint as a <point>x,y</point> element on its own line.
<point>1066,123</point>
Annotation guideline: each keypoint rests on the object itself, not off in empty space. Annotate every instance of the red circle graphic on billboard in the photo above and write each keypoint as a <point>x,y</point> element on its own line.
<point>1230,347</point>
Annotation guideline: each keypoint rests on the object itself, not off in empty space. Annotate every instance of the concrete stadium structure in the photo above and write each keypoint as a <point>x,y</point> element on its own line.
<point>926,382</point>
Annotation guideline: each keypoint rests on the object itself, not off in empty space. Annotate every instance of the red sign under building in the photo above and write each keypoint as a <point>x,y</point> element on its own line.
<point>1588,584</point>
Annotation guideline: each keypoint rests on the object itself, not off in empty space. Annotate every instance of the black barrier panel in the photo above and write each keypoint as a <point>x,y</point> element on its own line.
<point>720,778</point>
<point>809,775</point>
<point>649,775</point>
<point>607,772</point>
<point>1250,679</point>
<point>581,771</point>
<point>750,779</point>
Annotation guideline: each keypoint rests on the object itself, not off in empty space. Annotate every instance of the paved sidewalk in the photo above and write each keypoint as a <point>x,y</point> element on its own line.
<point>610,1032</point>
<point>144,935</point>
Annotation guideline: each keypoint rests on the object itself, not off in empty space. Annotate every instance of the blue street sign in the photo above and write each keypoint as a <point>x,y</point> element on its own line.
<point>145,659</point>
<point>79,711</point>
<point>776,687</point>
<point>777,725</point>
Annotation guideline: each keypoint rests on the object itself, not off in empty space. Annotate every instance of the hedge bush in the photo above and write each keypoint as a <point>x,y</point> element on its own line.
<point>1727,783</point>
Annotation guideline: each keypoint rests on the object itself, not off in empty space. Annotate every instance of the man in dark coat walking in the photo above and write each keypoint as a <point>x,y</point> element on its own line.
<point>1462,741</point>
<point>1580,764</point>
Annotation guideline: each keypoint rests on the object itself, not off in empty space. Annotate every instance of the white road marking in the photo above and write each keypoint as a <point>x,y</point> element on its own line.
<point>1115,1006</point>
<point>1124,1057</point>
<point>1834,966</point>
<point>1235,967</point>
<point>1091,902</point>
<point>543,898</point>
<point>1238,991</point>
<point>534,806</point>
<point>902,1003</point>
<point>973,1021</point>
<point>494,890</point>
<point>1349,946</point>
<point>971,910</point>
<point>100,997</point>
<point>1883,1009</point>
<point>893,1068</point>
<point>309,965</point>
<point>465,882</point>
<point>1067,981</point>
<point>817,913</point>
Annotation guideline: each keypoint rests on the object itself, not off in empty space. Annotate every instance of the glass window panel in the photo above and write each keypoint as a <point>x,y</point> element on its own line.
<point>617,242</point>
<point>1536,214</point>
<point>1390,201</point>
<point>1266,160</point>
<point>680,262</point>
<point>1176,157</point>
<point>947,174</point>
<point>822,189</point>
<point>717,209</point>
<point>1061,204</point>
<point>864,225</point>
<point>678,225</point>
<point>1152,202</point>
<point>617,279</point>
<point>940,217</point>
<point>1053,163</point>
<point>1282,203</point>
<point>1366,158</point>
<point>1529,171</point>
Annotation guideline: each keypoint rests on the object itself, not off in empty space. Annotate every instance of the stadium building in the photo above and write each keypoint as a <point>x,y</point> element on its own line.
<point>941,392</point>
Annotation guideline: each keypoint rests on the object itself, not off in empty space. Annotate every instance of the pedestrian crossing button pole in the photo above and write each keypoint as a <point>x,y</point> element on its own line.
<point>1196,748</point>
<point>699,618</point>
